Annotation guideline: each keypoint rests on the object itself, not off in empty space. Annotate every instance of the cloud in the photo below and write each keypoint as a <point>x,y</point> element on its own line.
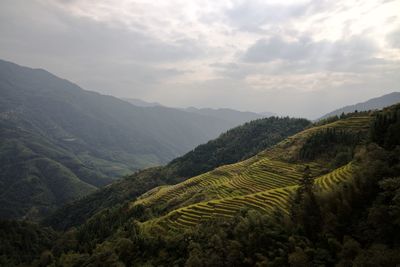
<point>97,55</point>
<point>253,15</point>
<point>84,37</point>
<point>355,54</point>
<point>276,48</point>
<point>393,39</point>
<point>253,55</point>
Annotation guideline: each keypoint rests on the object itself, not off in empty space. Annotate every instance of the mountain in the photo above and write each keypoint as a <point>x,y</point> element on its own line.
<point>325,196</point>
<point>265,181</point>
<point>232,116</point>
<point>372,104</point>
<point>141,103</point>
<point>60,142</point>
<point>236,144</point>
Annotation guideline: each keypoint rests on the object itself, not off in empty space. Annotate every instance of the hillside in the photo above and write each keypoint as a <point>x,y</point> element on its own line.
<point>372,104</point>
<point>60,142</point>
<point>326,196</point>
<point>263,182</point>
<point>234,145</point>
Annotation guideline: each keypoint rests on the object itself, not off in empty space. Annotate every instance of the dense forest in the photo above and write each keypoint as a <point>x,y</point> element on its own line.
<point>355,224</point>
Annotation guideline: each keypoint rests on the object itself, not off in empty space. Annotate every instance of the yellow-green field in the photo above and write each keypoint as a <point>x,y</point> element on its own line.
<point>266,201</point>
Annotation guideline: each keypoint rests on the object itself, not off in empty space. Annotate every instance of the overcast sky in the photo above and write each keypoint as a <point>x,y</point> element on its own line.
<point>300,58</point>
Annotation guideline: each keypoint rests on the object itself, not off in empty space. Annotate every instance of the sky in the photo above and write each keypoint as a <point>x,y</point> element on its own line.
<point>298,58</point>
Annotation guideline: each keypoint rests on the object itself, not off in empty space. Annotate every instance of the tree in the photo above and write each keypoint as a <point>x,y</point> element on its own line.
<point>125,250</point>
<point>298,258</point>
<point>195,256</point>
<point>46,258</point>
<point>305,213</point>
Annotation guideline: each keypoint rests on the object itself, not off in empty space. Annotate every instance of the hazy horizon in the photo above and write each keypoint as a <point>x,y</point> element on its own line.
<point>301,58</point>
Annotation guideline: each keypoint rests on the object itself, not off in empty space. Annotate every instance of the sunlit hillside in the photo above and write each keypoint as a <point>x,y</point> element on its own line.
<point>264,182</point>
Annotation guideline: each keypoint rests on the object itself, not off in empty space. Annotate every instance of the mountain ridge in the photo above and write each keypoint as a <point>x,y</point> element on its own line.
<point>227,114</point>
<point>370,104</point>
<point>86,137</point>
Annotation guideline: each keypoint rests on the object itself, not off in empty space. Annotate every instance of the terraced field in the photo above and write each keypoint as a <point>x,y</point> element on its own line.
<point>266,201</point>
<point>340,175</point>
<point>265,182</point>
<point>248,177</point>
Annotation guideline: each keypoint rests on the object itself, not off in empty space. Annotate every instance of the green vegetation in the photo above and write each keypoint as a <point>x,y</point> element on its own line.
<point>271,169</point>
<point>36,177</point>
<point>23,242</point>
<point>230,188</point>
<point>330,142</point>
<point>386,127</point>
<point>266,201</point>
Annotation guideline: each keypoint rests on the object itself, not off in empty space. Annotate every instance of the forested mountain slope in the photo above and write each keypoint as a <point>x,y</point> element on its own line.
<point>234,145</point>
<point>60,142</point>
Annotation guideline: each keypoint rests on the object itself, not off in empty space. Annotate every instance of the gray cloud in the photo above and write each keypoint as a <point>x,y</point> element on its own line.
<point>68,36</point>
<point>96,55</point>
<point>276,48</point>
<point>353,55</point>
<point>250,15</point>
<point>300,59</point>
<point>393,38</point>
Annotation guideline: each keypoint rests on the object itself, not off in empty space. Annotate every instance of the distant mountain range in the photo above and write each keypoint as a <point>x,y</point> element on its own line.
<point>227,114</point>
<point>372,104</point>
<point>141,103</point>
<point>59,142</point>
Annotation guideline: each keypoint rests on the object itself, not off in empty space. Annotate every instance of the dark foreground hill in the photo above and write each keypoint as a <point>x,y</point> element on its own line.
<point>60,142</point>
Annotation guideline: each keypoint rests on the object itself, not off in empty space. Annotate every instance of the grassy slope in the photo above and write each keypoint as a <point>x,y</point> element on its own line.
<point>264,182</point>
